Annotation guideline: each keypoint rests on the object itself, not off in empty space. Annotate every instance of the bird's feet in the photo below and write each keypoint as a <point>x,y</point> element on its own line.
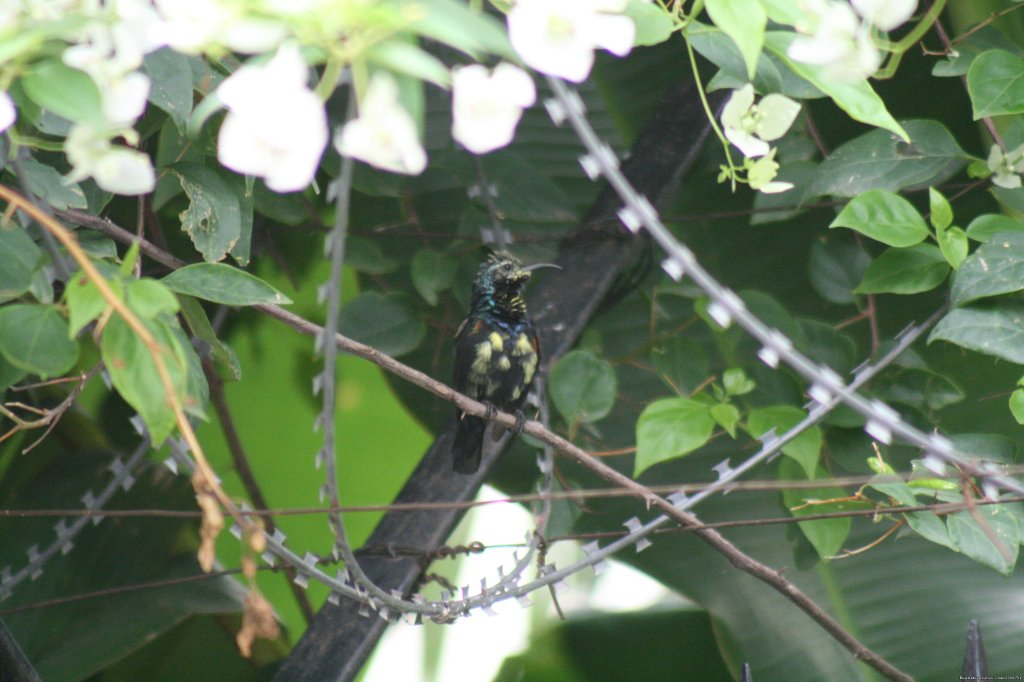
<point>520,421</point>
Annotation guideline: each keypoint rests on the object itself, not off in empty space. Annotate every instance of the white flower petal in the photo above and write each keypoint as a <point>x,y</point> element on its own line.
<point>487,107</point>
<point>8,113</point>
<point>124,99</point>
<point>751,146</point>
<point>613,33</point>
<point>125,171</point>
<point>737,107</point>
<point>885,14</point>
<point>775,187</point>
<point>384,135</point>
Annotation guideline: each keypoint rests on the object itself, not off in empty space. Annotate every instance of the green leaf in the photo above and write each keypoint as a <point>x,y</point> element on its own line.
<point>432,272</point>
<point>365,255</point>
<point>736,382</point>
<point>400,56</point>
<point>986,38</point>
<point>171,90</point>
<point>825,535</point>
<point>885,217</point>
<point>681,363</point>
<point>583,387</point>
<point>990,329</point>
<point>727,416</point>
<point>978,543</point>
<point>135,376</point>
<point>1017,405</point>
<point>855,98</point>
<point>222,283</point>
<point>881,160</point>
<point>653,24</point>
<point>995,83</point>
<point>836,268</point>
<point>85,303</point>
<point>65,91</point>
<point>926,523</point>
<point>21,256</point>
<point>905,271</point>
<point>35,338</point>
<point>941,211</point>
<point>455,24</point>
<point>46,183</point>
<point>383,322</point>
<point>213,219</point>
<point>743,21</point>
<point>670,428</point>
<point>996,267</point>
<point>200,326</point>
<point>919,388</point>
<point>149,298</point>
<point>953,245</point>
<point>804,449</point>
<point>985,226</point>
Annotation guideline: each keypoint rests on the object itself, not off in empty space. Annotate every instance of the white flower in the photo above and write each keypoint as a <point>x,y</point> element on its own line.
<point>1006,168</point>
<point>276,127</point>
<point>7,111</point>
<point>384,135</point>
<point>192,26</point>
<point>116,169</point>
<point>761,175</point>
<point>885,14</point>
<point>838,41</point>
<point>487,107</point>
<point>749,126</point>
<point>558,37</point>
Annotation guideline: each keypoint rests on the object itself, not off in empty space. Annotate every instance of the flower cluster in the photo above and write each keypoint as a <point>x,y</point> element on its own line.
<point>751,127</point>
<point>839,36</point>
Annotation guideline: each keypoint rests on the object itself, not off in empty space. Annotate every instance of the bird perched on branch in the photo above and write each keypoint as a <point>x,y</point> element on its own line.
<point>496,351</point>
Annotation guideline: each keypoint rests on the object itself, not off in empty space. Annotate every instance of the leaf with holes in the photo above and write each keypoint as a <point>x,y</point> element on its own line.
<point>213,219</point>
<point>670,428</point>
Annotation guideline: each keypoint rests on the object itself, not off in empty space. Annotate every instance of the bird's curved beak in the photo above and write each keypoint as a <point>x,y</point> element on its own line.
<point>539,266</point>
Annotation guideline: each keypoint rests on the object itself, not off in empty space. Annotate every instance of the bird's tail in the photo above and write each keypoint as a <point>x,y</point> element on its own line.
<point>469,438</point>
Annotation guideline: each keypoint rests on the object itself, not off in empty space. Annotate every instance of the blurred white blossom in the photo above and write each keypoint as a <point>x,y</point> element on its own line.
<point>885,14</point>
<point>558,37</point>
<point>192,26</point>
<point>761,175</point>
<point>836,40</point>
<point>1006,168</point>
<point>7,111</point>
<point>750,126</point>
<point>276,127</point>
<point>486,107</point>
<point>384,134</point>
<point>114,168</point>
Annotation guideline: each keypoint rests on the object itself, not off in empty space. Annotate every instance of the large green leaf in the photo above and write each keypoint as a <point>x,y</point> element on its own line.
<point>881,160</point>
<point>383,322</point>
<point>670,428</point>
<point>918,268</point>
<point>65,91</point>
<point>885,217</point>
<point>223,283</point>
<point>997,267</point>
<point>171,88</point>
<point>21,256</point>
<point>35,338</point>
<point>744,22</point>
<point>991,329</point>
<point>995,82</point>
<point>804,449</point>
